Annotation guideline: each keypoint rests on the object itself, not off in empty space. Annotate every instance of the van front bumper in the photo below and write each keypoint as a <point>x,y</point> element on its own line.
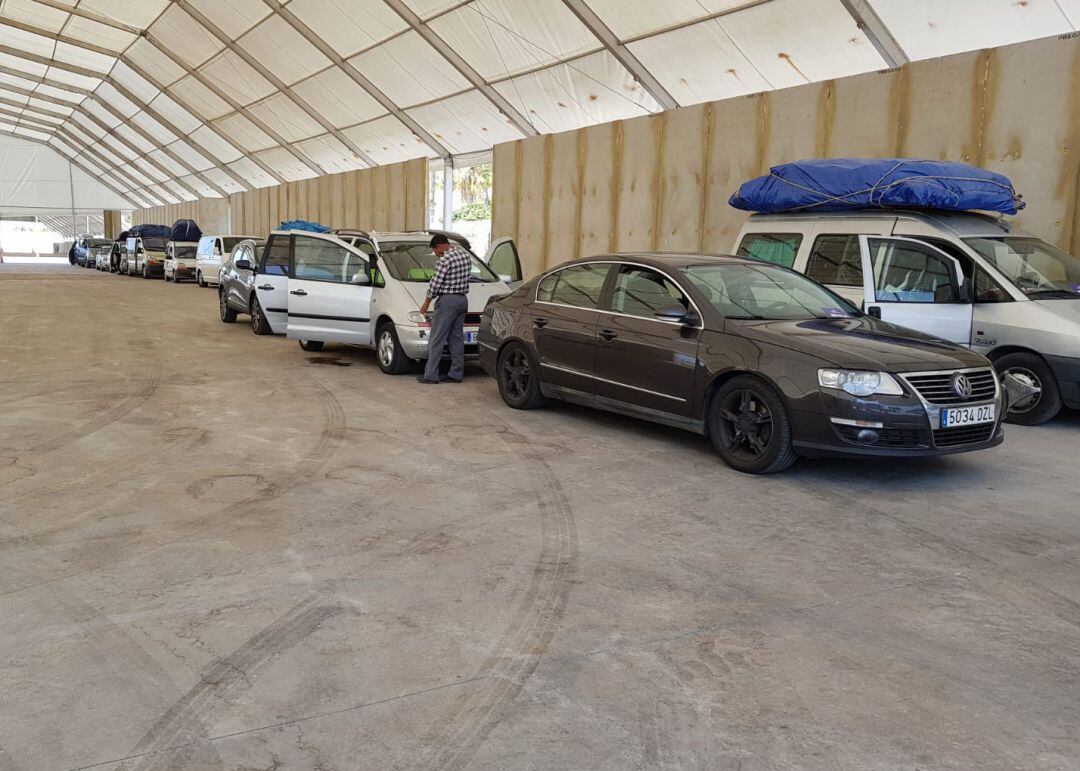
<point>414,341</point>
<point>1067,371</point>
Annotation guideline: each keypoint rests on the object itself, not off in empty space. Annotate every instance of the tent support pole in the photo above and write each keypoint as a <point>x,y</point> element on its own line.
<point>448,192</point>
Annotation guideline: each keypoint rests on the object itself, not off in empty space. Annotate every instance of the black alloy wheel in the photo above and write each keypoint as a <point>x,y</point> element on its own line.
<point>259,324</point>
<point>519,381</point>
<point>228,315</point>
<point>749,427</point>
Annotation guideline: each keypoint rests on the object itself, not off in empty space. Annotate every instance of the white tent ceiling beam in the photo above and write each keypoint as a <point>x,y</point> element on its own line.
<point>502,104</point>
<point>104,76</point>
<point>867,20</point>
<point>622,54</point>
<point>21,117</point>
<point>86,151</point>
<point>277,82</point>
<point>358,77</point>
<point>80,108</point>
<point>76,10</point>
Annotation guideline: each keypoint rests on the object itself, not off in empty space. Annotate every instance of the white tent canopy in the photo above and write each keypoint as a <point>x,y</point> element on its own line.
<point>169,100</point>
<point>37,180</point>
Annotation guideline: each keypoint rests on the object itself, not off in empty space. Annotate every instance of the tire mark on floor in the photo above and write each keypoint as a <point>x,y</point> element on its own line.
<point>452,742</point>
<point>117,411</point>
<point>179,738</point>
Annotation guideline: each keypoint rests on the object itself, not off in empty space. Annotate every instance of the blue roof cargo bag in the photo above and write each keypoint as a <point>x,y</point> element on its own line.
<point>310,227</point>
<point>842,184</point>
<point>185,230</point>
<point>161,231</point>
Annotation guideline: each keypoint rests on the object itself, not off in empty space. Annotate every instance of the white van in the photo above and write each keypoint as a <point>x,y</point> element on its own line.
<point>364,288</point>
<point>208,258</point>
<point>180,260</point>
<point>964,277</point>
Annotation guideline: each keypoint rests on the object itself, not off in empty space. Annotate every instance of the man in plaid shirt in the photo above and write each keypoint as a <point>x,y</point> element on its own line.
<point>449,289</point>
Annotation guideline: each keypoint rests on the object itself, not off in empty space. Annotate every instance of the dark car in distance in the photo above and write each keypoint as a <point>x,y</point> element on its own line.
<point>767,363</point>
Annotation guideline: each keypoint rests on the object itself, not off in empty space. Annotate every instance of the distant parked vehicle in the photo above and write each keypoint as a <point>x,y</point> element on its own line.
<point>146,256</point>
<point>236,283</point>
<point>212,251</point>
<point>180,261</point>
<point>87,248</point>
<point>101,261</point>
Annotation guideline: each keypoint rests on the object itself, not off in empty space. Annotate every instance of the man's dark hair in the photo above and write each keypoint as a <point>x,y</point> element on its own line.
<point>438,239</point>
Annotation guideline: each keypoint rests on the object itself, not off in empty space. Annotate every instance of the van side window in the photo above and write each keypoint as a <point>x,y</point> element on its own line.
<point>777,248</point>
<point>986,289</point>
<point>836,260</point>
<point>275,261</point>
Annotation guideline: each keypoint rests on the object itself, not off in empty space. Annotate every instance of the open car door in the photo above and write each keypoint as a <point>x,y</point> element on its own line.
<point>913,284</point>
<point>329,296</point>
<point>272,282</point>
<point>502,258</point>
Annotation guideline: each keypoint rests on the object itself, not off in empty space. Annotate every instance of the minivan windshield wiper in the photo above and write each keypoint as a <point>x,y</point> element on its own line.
<point>1052,294</point>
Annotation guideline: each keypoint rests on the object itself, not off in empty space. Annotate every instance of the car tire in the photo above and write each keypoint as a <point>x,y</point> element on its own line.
<point>259,324</point>
<point>749,426</point>
<point>388,351</point>
<point>199,278</point>
<point>1034,370</point>
<point>312,345</point>
<point>519,378</point>
<point>145,272</point>
<point>228,315</point>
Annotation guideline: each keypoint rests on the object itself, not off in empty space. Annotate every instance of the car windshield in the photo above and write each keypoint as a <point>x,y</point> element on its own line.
<point>184,252</point>
<point>1038,269</point>
<point>763,291</point>
<point>97,243</point>
<point>414,261</point>
<point>154,244</point>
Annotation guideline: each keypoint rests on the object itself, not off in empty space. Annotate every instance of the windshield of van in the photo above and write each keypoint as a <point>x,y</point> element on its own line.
<point>761,291</point>
<point>1040,270</point>
<point>184,252</point>
<point>154,243</point>
<point>230,243</point>
<point>414,261</point>
<point>97,243</point>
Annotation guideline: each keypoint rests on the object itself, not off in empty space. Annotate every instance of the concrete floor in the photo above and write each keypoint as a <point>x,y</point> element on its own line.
<point>218,551</point>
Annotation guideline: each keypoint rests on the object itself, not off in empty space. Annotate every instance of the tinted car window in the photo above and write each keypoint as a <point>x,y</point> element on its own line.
<point>315,259</point>
<point>275,260</point>
<point>778,248</point>
<point>836,260</point>
<point>643,291</point>
<point>579,286</point>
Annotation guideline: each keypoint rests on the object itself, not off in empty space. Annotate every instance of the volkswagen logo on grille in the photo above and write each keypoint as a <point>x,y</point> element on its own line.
<point>961,384</point>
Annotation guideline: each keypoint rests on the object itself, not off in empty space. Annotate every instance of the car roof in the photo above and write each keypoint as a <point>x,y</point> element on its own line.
<point>960,223</point>
<point>666,259</point>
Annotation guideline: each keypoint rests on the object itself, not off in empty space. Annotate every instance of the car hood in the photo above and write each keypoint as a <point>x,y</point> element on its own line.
<point>859,343</point>
<point>478,293</point>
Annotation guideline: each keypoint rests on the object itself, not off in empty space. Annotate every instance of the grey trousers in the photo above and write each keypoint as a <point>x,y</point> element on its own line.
<point>447,328</point>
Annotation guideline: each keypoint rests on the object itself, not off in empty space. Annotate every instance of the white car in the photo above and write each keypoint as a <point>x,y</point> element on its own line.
<point>180,260</point>
<point>366,289</point>
<point>210,254</point>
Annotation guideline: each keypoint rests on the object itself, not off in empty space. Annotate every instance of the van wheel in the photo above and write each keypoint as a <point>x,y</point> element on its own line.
<point>145,272</point>
<point>519,378</point>
<point>312,345</point>
<point>259,324</point>
<point>199,278</point>
<point>392,357</point>
<point>749,427</point>
<point>228,315</point>
<point>1035,372</point>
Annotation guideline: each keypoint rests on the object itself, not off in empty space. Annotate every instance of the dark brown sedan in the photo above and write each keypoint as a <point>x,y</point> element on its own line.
<point>768,363</point>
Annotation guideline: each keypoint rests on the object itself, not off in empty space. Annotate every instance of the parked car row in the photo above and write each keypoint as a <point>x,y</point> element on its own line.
<point>749,349</point>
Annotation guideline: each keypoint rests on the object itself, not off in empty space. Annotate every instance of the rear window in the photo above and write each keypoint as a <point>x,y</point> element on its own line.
<point>777,248</point>
<point>836,260</point>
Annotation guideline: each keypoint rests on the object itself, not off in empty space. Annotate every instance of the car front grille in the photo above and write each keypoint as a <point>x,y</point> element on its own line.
<point>954,437</point>
<point>473,319</point>
<point>937,387</point>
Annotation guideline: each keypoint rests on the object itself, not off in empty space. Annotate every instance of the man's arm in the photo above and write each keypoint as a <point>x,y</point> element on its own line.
<point>436,285</point>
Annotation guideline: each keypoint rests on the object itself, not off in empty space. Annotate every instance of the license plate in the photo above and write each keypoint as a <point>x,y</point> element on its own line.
<point>470,337</point>
<point>967,416</point>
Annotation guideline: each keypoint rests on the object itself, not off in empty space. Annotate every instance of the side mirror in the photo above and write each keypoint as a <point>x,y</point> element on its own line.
<point>361,279</point>
<point>243,264</point>
<point>967,292</point>
<point>506,278</point>
<point>678,314</point>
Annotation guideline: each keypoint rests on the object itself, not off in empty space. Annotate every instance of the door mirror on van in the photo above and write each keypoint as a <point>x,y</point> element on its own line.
<point>243,264</point>
<point>361,279</point>
<point>967,291</point>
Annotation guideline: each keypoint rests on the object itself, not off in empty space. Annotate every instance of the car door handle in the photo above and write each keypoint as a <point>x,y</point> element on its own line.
<point>540,322</point>
<point>267,287</point>
<point>608,334</point>
<point>300,292</point>
<point>874,311</point>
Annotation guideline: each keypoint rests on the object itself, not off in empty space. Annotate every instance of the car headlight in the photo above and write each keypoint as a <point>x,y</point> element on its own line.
<point>859,382</point>
<point>416,317</point>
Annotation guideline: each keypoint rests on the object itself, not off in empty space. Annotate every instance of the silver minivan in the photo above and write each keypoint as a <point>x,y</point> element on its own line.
<point>965,277</point>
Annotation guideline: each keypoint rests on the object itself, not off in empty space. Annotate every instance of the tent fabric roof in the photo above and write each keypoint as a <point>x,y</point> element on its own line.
<point>170,100</point>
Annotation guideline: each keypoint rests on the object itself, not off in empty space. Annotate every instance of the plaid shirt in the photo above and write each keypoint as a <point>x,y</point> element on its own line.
<point>451,273</point>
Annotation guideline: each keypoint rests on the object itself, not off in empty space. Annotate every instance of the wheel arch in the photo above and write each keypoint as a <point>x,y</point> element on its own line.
<point>720,379</point>
<point>1005,350</point>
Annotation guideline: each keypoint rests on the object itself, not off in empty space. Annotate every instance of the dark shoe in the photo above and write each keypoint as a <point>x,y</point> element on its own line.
<point>425,381</point>
<point>450,380</point>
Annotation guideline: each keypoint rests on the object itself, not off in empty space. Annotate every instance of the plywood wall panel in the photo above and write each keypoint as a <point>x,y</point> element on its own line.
<point>734,153</point>
<point>683,183</point>
<point>565,201</point>
<point>942,104</point>
<point>638,182</point>
<point>863,119</point>
<point>504,202</point>
<point>533,204</point>
<point>598,188</point>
